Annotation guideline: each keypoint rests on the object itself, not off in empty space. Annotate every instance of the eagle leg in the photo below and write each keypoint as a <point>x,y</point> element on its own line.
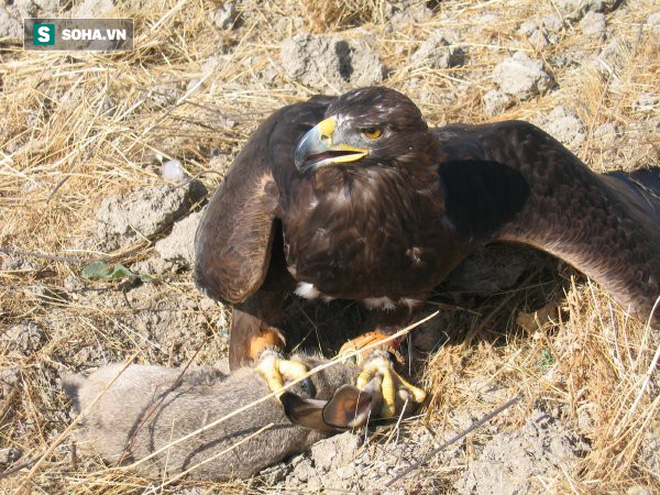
<point>379,361</point>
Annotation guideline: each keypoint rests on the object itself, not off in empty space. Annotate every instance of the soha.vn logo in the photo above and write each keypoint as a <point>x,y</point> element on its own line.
<point>43,34</point>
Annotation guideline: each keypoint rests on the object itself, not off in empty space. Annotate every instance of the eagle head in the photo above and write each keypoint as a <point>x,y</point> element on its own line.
<point>369,126</point>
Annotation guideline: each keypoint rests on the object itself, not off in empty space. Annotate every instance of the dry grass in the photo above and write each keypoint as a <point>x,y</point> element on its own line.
<point>78,127</point>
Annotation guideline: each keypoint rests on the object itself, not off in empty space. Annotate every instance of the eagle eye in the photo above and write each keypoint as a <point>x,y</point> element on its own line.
<point>372,132</point>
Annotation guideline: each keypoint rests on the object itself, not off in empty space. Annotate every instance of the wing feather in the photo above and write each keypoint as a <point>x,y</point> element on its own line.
<point>235,236</point>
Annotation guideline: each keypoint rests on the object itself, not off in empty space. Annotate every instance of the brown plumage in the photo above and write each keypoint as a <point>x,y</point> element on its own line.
<point>384,215</point>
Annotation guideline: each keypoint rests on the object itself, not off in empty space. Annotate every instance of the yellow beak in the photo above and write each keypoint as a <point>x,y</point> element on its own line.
<point>316,149</point>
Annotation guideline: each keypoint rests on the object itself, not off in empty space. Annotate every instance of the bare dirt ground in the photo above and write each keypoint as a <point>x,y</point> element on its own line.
<point>99,153</point>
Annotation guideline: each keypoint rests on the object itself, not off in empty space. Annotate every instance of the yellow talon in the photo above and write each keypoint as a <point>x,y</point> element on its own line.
<point>276,371</point>
<point>391,384</point>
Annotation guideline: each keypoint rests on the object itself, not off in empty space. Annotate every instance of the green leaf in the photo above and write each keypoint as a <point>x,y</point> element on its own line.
<point>96,270</point>
<point>120,271</point>
<point>100,270</point>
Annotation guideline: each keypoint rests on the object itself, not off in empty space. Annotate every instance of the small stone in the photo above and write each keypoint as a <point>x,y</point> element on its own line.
<point>10,27</point>
<point>593,23</point>
<point>654,22</point>
<point>437,52</point>
<point>527,28</point>
<point>226,16</point>
<point>553,23</point>
<point>538,39</point>
<point>330,64</point>
<point>405,12</point>
<point>606,133</point>
<point>9,456</point>
<point>646,102</point>
<point>639,490</point>
<point>173,170</point>
<point>94,8</point>
<point>346,472</point>
<point>179,247</point>
<point>26,337</point>
<point>9,378</point>
<point>18,264</point>
<point>73,284</point>
<point>522,77</point>
<point>22,8</point>
<point>614,56</point>
<point>336,451</point>
<point>206,304</point>
<point>152,266</point>
<point>574,10</point>
<point>565,126</point>
<point>496,102</point>
<point>124,219</point>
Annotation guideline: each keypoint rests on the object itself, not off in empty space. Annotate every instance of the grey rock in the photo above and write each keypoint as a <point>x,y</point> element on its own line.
<point>23,8</point>
<point>94,8</point>
<point>9,378</point>
<point>18,264</point>
<point>9,26</point>
<point>401,12</point>
<point>650,451</point>
<point>614,56</point>
<point>226,15</point>
<point>495,102</point>
<point>172,170</point>
<point>438,52</point>
<point>26,337</point>
<point>330,64</point>
<point>152,266</point>
<point>520,76</point>
<point>508,463</point>
<point>646,102</point>
<point>574,10</point>
<point>124,219</point>
<point>607,132</point>
<point>10,455</point>
<point>654,22</point>
<point>565,126</point>
<point>73,284</point>
<point>48,6</point>
<point>335,452</point>
<point>539,39</point>
<point>179,247</point>
<point>527,28</point>
<point>553,23</point>
<point>593,23</point>
<point>639,490</point>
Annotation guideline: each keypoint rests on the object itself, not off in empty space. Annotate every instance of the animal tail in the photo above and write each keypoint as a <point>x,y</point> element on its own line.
<point>71,384</point>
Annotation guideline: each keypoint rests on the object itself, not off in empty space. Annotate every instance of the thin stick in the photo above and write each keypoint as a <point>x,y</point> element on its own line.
<point>454,439</point>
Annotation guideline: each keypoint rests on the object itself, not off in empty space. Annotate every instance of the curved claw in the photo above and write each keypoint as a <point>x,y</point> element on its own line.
<point>277,370</point>
<point>392,384</point>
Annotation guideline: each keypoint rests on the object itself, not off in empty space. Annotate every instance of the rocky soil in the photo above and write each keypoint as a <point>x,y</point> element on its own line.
<point>124,220</point>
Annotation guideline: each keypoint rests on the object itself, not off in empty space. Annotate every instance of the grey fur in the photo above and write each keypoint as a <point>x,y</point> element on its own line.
<point>147,407</point>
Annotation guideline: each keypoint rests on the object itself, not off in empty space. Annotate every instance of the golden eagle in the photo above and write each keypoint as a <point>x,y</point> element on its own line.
<point>355,197</point>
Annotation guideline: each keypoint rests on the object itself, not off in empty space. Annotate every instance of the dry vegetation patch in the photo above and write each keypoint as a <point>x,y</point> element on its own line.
<point>79,128</point>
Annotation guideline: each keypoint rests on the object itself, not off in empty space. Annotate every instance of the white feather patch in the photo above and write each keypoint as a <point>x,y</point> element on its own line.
<point>384,303</point>
<point>307,291</point>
